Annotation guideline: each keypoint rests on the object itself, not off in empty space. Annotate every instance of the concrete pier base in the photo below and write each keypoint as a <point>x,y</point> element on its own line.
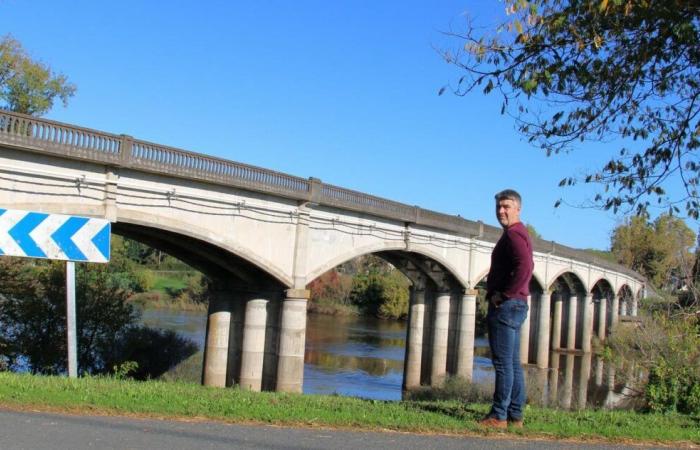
<point>253,353</point>
<point>414,340</point>
<point>602,318</point>
<point>290,367</point>
<point>587,335</point>
<point>584,375</point>
<point>557,322</point>
<point>465,343</point>
<point>543,334</point>
<point>216,345</point>
<point>571,325</point>
<point>615,311</point>
<point>440,337</point>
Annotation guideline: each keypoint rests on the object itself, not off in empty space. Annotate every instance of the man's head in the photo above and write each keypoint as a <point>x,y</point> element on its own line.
<point>508,207</point>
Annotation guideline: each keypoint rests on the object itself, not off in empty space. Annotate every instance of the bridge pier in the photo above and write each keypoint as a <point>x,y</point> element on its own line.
<point>253,351</point>
<point>440,339</point>
<point>525,334</point>
<point>602,318</point>
<point>414,339</point>
<point>623,306</point>
<point>587,335</point>
<point>615,311</point>
<point>466,330</point>
<point>543,333</point>
<point>557,321</point>
<point>216,349</point>
<point>292,342</point>
<point>571,326</point>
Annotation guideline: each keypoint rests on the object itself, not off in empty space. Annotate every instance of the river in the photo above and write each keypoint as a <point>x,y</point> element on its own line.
<point>363,357</point>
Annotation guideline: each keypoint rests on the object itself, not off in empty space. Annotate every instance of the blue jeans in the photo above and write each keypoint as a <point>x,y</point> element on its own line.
<point>504,339</point>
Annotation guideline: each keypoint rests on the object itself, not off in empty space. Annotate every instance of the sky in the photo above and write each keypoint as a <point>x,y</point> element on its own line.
<point>344,91</point>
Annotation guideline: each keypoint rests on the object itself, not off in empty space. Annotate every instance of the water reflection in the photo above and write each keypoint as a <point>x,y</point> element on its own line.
<point>354,356</point>
<point>578,381</point>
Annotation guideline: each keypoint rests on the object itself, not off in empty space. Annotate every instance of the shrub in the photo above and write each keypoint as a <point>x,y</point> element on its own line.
<point>668,346</point>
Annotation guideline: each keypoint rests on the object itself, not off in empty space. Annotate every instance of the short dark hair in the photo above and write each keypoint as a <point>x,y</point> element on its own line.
<point>509,194</point>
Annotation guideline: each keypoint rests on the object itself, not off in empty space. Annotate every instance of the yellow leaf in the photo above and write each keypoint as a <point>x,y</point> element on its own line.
<point>518,26</point>
<point>603,5</point>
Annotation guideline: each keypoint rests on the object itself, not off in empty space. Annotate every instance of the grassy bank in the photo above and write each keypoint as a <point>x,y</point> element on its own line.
<point>154,398</point>
<point>172,289</point>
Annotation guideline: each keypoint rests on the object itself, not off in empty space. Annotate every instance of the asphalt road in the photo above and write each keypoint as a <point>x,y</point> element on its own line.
<point>37,431</point>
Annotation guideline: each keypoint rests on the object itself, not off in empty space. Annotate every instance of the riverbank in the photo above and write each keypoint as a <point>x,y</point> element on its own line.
<point>188,401</point>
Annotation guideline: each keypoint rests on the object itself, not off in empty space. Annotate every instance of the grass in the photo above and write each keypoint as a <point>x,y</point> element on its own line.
<point>168,291</point>
<point>169,283</point>
<point>188,400</point>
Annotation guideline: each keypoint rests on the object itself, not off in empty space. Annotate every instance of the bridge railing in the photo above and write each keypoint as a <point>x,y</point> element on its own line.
<point>54,138</point>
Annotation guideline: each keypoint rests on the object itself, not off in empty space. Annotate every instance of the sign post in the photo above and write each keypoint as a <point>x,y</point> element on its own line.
<point>56,236</point>
<point>71,331</point>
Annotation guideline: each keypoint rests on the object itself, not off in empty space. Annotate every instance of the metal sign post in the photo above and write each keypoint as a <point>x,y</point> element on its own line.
<point>70,321</point>
<point>56,236</point>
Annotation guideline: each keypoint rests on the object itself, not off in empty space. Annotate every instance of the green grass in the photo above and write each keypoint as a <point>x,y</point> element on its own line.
<point>162,399</point>
<point>169,283</point>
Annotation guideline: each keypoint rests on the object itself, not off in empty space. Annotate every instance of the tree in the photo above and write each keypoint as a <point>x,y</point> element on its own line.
<point>660,250</point>
<point>598,70</point>
<point>33,318</point>
<point>532,232</point>
<point>29,86</point>
<point>33,314</point>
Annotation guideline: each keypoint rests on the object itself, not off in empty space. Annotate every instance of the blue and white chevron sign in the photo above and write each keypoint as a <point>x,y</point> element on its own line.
<point>53,236</point>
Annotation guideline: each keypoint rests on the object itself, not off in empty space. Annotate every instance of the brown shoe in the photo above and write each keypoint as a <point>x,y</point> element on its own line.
<point>493,422</point>
<point>516,423</point>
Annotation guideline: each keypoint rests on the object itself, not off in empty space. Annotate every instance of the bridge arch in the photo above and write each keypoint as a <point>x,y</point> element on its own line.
<point>189,231</point>
<point>396,248</point>
<point>567,274</point>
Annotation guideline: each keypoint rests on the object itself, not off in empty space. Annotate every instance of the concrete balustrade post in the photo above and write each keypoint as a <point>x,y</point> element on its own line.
<point>557,322</point>
<point>571,327</point>
<point>525,334</point>
<point>440,338</point>
<point>602,318</point>
<point>290,365</point>
<point>253,353</point>
<point>414,339</point>
<point>465,343</point>
<point>587,335</point>
<point>216,344</point>
<point>543,333</point>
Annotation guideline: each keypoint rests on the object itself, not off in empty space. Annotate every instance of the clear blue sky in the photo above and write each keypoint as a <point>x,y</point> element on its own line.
<point>345,91</point>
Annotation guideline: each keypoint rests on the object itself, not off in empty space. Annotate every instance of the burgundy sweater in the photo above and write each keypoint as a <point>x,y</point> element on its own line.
<point>511,264</point>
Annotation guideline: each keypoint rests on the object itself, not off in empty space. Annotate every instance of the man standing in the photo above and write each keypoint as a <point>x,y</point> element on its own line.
<point>507,290</point>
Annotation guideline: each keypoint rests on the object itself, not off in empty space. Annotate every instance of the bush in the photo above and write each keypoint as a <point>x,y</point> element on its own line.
<point>672,390</point>
<point>384,295</point>
<point>668,346</point>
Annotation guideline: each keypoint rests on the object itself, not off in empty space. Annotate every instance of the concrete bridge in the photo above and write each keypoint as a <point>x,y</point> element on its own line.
<point>264,236</point>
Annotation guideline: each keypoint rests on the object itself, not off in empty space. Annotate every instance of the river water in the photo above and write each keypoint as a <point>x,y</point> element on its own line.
<point>363,357</point>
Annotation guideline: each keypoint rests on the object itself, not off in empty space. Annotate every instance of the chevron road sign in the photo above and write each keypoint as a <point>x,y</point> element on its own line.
<point>54,236</point>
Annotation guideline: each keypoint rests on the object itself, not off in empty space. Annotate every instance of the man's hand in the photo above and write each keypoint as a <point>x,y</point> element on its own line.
<point>496,299</point>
